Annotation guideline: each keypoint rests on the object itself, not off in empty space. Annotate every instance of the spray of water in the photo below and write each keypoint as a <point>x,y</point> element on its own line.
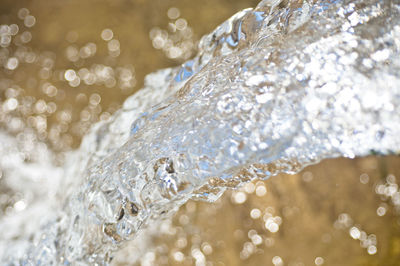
<point>273,89</point>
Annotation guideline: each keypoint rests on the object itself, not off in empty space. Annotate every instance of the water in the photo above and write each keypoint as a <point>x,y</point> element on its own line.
<point>272,90</point>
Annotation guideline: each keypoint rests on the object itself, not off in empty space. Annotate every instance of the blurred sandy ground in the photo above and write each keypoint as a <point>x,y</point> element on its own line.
<point>71,63</point>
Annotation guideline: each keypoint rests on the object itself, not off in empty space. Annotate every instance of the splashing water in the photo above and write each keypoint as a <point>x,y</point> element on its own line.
<point>272,90</point>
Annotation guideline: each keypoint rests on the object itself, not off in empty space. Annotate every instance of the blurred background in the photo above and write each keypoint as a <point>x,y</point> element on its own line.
<point>66,64</point>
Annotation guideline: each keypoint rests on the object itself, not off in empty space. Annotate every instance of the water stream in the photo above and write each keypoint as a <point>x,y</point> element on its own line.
<point>271,90</point>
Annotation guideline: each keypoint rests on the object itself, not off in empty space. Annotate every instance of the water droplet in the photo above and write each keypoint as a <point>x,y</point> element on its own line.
<point>107,34</point>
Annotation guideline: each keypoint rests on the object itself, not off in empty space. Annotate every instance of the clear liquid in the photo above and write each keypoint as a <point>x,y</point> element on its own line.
<point>271,90</point>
